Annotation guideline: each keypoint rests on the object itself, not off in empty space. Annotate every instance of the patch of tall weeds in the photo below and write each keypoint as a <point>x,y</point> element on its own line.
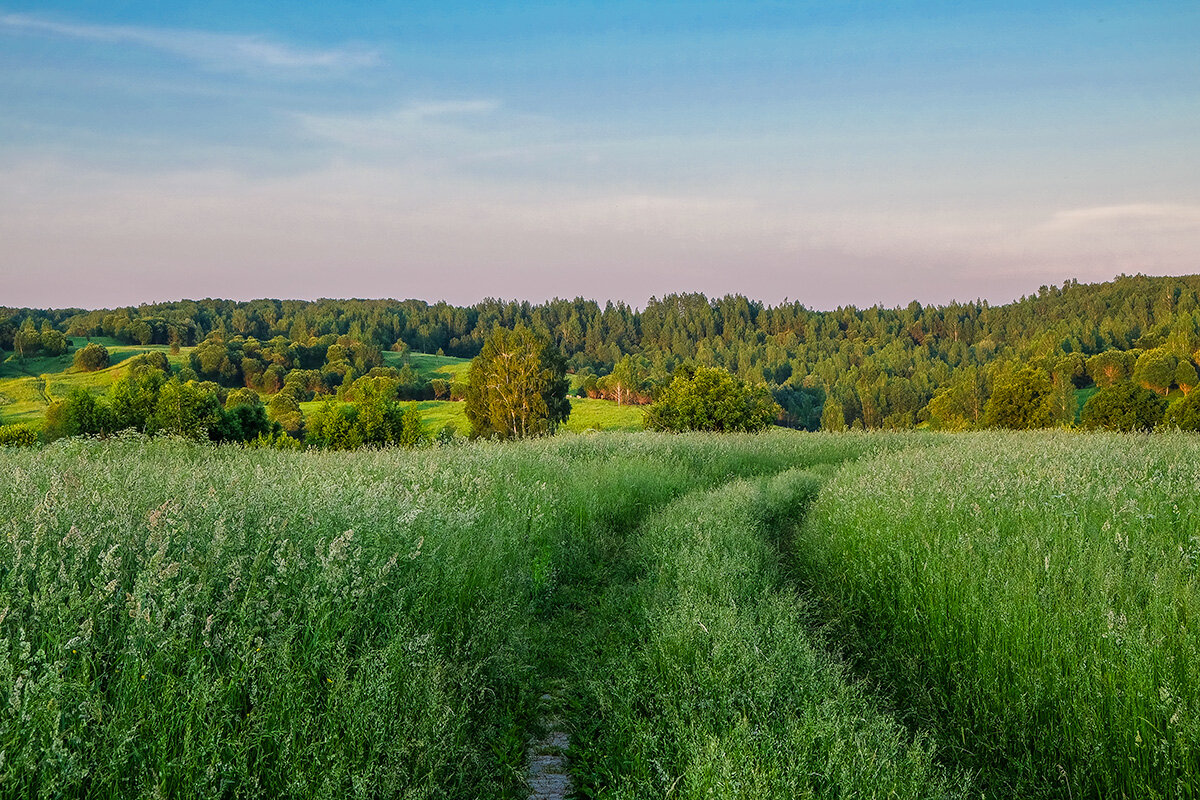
<point>187,620</point>
<point>1031,597</point>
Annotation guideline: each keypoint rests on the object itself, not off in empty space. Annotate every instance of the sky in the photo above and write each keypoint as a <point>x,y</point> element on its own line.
<point>834,153</point>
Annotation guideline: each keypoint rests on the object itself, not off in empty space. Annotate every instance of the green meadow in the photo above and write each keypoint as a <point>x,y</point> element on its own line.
<point>29,385</point>
<point>586,415</point>
<point>429,366</point>
<point>746,616</point>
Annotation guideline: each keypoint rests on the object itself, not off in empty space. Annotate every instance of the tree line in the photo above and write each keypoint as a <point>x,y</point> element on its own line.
<point>870,368</point>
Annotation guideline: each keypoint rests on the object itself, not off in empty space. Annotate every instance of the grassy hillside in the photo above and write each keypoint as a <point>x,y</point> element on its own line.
<point>429,366</point>
<point>28,386</point>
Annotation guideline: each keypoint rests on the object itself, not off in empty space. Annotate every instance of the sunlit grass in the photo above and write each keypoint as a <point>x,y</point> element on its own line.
<point>429,366</point>
<point>27,386</point>
<point>1032,598</point>
<point>712,683</point>
<point>187,620</point>
<point>603,415</point>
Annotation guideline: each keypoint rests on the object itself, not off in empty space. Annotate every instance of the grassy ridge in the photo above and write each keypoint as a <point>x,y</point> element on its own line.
<point>717,687</point>
<point>27,386</point>
<point>1032,598</point>
<point>183,619</point>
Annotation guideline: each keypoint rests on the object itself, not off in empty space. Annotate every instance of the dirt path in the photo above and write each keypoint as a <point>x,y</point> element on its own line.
<point>546,772</point>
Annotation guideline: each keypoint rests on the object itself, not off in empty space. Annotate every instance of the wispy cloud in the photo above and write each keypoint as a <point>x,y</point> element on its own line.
<point>439,121</point>
<point>220,50</point>
<point>1131,215</point>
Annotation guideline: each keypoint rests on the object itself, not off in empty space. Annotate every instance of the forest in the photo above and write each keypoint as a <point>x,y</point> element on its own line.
<point>873,368</point>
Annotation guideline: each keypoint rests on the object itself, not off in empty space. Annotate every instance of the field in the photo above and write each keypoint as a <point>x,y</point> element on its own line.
<point>27,387</point>
<point>586,415</point>
<point>780,615</point>
<point>430,366</point>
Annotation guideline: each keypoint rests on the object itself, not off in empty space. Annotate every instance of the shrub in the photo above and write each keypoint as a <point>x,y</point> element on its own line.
<point>712,400</point>
<point>1184,413</point>
<point>1124,406</point>
<point>92,357</point>
<point>155,359</point>
<point>17,436</point>
<point>1021,400</point>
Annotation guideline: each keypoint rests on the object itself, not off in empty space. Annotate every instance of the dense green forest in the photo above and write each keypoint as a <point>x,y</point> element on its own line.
<point>872,368</point>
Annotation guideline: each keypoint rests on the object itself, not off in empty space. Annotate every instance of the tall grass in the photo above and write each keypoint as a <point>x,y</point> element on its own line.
<point>187,620</point>
<point>706,680</point>
<point>1031,597</point>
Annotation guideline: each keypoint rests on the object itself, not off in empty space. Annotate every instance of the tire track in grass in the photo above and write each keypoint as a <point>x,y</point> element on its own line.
<point>701,676</point>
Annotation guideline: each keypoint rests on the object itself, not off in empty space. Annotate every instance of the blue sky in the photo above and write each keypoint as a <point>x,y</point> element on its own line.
<point>831,152</point>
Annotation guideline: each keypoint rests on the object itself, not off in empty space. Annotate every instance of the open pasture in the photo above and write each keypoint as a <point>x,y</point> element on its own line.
<point>779,615</point>
<point>28,386</point>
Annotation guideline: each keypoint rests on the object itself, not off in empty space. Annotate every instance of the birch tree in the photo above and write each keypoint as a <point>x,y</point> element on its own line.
<point>517,386</point>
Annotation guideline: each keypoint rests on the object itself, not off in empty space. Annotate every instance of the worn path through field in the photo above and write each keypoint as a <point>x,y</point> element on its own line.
<point>546,771</point>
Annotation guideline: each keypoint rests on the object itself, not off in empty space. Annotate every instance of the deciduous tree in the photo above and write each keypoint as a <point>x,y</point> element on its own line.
<point>1021,400</point>
<point>91,357</point>
<point>1124,406</point>
<point>517,386</point>
<point>711,399</point>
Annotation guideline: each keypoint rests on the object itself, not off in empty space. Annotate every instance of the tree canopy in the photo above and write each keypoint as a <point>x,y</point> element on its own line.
<point>881,367</point>
<point>1021,400</point>
<point>1124,406</point>
<point>710,399</point>
<point>91,357</point>
<point>517,386</point>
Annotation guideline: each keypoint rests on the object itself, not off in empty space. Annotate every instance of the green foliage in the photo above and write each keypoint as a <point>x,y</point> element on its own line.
<point>1184,413</point>
<point>284,409</point>
<point>1021,399</point>
<point>80,413</point>
<point>1110,366</point>
<point>376,421</point>
<point>801,406</point>
<point>334,426</point>
<point>1124,406</point>
<point>91,357</point>
<point>189,409</point>
<point>517,386</point>
<point>53,343</point>
<point>883,366</point>
<point>1027,599</point>
<point>629,382</point>
<point>1185,376</point>
<point>18,436</point>
<point>155,359</point>
<point>712,400</point>
<point>1155,370</point>
<point>134,398</point>
<point>833,418</point>
<point>29,340</point>
<point>960,406</point>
